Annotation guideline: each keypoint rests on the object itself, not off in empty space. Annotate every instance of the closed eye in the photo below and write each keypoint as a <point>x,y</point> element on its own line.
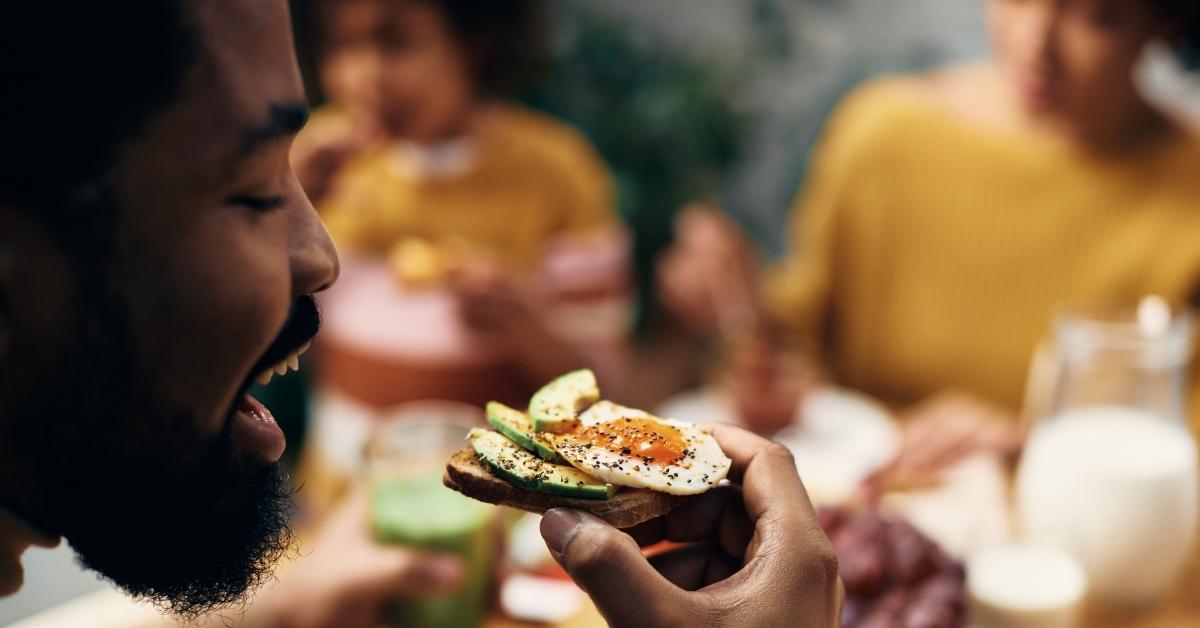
<point>257,203</point>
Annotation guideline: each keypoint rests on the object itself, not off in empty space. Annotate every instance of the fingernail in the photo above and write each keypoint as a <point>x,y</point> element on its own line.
<point>558,526</point>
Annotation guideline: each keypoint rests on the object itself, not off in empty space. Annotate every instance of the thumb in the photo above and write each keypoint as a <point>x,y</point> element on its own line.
<point>406,572</point>
<point>608,565</point>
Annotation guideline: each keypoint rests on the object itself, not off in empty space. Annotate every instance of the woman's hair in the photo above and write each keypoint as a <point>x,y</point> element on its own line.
<point>1186,43</point>
<point>505,40</point>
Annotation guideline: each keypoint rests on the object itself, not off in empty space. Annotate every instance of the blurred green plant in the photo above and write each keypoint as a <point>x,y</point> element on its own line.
<point>665,123</point>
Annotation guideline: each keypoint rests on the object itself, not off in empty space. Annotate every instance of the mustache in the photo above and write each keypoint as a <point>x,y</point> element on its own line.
<point>302,324</point>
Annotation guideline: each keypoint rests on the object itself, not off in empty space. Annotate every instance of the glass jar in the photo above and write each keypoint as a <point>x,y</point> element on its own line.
<point>1109,472</point>
<point>410,507</point>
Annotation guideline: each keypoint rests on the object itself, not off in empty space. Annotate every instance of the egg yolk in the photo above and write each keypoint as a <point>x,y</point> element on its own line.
<point>642,439</point>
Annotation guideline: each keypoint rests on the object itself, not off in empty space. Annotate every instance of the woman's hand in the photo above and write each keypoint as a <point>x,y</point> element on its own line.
<point>755,554</point>
<point>946,428</point>
<point>708,278</point>
<point>767,385</point>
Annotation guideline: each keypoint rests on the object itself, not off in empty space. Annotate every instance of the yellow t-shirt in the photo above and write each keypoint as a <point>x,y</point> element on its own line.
<point>527,180</point>
<point>929,254</point>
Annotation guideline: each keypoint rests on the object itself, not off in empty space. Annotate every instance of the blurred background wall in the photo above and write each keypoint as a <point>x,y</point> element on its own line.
<point>783,65</point>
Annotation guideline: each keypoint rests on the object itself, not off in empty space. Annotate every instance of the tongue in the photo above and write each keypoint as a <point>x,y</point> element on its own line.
<point>256,432</point>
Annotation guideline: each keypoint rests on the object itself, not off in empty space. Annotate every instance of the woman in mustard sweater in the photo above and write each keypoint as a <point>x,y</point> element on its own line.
<point>948,215</point>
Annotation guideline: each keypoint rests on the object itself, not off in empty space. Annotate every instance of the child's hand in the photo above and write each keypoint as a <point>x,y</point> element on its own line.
<point>493,304</point>
<point>320,152</point>
<point>502,313</point>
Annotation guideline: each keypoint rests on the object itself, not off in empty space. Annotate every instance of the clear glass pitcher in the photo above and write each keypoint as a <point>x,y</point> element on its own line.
<point>1109,471</point>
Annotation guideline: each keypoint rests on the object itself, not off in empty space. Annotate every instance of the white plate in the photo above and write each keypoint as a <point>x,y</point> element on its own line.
<point>840,438</point>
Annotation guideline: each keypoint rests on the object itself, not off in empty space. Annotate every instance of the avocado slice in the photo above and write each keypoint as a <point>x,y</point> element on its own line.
<point>515,425</point>
<point>556,407</point>
<point>525,470</point>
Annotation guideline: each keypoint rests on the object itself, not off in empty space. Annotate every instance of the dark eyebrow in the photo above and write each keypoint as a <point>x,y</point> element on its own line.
<point>284,120</point>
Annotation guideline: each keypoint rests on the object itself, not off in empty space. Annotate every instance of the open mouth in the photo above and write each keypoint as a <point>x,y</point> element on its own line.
<point>255,430</point>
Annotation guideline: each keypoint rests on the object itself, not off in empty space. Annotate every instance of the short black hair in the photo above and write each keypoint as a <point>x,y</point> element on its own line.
<point>81,79</point>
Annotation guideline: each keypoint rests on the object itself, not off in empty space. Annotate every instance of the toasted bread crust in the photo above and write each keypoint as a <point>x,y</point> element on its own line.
<point>468,475</point>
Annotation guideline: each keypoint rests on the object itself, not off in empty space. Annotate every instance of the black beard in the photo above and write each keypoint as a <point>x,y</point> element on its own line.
<point>145,498</point>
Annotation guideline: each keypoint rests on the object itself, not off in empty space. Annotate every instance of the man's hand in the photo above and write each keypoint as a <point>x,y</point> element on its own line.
<point>348,579</point>
<point>755,554</point>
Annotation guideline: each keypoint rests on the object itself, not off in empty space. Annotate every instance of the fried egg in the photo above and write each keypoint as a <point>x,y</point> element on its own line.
<point>630,447</point>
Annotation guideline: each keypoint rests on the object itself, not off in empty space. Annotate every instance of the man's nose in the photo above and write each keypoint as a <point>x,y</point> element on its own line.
<point>313,259</point>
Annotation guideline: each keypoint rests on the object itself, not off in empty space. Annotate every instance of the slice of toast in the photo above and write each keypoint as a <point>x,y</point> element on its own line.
<point>472,477</point>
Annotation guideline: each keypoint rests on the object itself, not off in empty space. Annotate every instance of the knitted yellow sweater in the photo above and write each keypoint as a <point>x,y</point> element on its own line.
<point>931,254</point>
<point>526,179</point>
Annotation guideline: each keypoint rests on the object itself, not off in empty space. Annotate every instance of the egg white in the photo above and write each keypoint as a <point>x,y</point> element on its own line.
<point>604,411</point>
<point>703,466</point>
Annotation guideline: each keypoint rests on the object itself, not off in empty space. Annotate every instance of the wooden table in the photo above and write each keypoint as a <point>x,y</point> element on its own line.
<point>588,617</point>
<point>1180,609</point>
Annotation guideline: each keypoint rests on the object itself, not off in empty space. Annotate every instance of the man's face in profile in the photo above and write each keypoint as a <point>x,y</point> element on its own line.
<point>124,424</point>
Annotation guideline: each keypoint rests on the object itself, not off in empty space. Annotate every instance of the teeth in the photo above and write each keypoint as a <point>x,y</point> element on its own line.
<point>292,362</point>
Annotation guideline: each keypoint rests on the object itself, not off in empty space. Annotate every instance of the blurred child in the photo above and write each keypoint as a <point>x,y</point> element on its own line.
<point>948,215</point>
<point>496,224</point>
